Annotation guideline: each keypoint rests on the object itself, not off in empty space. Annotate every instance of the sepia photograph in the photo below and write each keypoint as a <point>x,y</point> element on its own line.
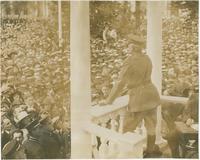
<point>35,86</point>
<point>99,79</point>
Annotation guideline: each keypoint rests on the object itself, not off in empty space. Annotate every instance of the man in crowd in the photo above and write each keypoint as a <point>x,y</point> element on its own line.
<point>34,62</point>
<point>14,148</point>
<point>42,142</point>
<point>172,113</point>
<point>6,131</point>
<point>33,148</point>
<point>144,97</point>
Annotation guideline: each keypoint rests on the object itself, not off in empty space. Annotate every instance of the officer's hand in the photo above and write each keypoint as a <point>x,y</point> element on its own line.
<point>102,103</point>
<point>189,122</point>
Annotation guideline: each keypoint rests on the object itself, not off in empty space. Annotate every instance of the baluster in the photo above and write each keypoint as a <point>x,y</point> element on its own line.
<point>113,123</point>
<point>130,150</point>
<point>103,149</point>
<point>95,151</point>
<point>113,145</point>
<point>141,129</point>
<point>121,122</point>
<point>144,131</point>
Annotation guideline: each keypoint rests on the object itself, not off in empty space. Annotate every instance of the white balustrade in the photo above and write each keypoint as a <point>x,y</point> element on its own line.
<point>112,145</point>
<point>134,150</point>
<point>129,145</point>
<point>121,122</point>
<point>108,123</point>
<point>103,148</point>
<point>95,152</point>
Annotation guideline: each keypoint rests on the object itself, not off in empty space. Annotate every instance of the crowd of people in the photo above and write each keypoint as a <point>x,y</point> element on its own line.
<point>179,62</point>
<point>35,95</point>
<point>106,61</point>
<point>35,92</point>
<point>180,54</point>
<point>179,78</point>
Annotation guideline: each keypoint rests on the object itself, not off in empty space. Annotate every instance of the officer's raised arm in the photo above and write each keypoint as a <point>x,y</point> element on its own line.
<point>119,85</point>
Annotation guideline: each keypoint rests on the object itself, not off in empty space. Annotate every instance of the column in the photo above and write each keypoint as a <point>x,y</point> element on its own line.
<point>137,15</point>
<point>133,6</point>
<point>12,12</point>
<point>80,78</point>
<point>44,9</point>
<point>47,8</point>
<point>60,23</point>
<point>154,49</point>
<point>166,8</point>
<point>2,10</point>
<point>36,8</point>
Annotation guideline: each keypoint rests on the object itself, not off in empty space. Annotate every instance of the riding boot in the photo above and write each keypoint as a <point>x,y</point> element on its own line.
<point>152,150</point>
<point>173,143</point>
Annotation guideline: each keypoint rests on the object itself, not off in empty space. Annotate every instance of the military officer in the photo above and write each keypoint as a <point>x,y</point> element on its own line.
<point>143,95</point>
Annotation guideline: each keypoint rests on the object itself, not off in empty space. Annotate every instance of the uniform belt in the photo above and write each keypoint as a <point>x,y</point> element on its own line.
<point>139,86</point>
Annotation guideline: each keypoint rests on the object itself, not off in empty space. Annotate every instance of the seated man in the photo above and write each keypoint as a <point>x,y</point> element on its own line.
<point>171,113</point>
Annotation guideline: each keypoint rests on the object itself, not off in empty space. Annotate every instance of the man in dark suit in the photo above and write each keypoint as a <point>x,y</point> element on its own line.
<point>175,112</point>
<point>42,142</point>
<point>5,137</point>
<point>33,148</point>
<point>143,95</point>
<point>14,148</point>
<point>48,140</point>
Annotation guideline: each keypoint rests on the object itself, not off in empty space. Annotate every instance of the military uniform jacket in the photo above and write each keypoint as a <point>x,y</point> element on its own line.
<point>136,76</point>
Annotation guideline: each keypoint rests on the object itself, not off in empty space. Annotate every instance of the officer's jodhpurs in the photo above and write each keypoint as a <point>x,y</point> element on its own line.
<point>150,120</point>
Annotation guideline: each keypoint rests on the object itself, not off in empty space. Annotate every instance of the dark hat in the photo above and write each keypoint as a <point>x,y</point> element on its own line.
<point>27,121</point>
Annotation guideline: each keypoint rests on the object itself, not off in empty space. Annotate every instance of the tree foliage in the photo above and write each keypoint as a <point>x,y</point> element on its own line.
<point>116,15</point>
<point>191,5</point>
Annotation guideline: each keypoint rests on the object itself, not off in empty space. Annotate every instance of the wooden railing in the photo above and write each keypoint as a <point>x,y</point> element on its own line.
<point>107,124</point>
